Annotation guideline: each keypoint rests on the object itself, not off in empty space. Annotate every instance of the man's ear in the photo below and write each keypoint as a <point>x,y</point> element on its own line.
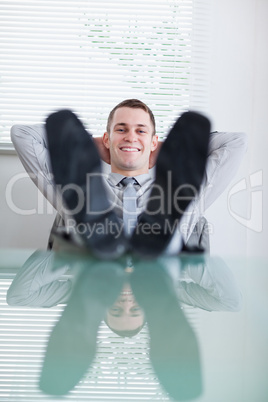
<point>154,154</point>
<point>106,140</point>
<point>154,143</point>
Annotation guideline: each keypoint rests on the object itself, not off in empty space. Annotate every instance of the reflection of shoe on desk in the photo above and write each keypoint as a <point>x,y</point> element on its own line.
<point>72,344</point>
<point>174,351</point>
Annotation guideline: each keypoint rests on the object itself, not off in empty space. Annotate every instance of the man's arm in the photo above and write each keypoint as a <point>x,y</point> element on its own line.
<point>210,286</point>
<point>37,284</point>
<point>30,144</point>
<point>226,151</point>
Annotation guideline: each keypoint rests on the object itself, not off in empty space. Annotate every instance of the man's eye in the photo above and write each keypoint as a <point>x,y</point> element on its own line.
<point>120,130</point>
<point>115,312</point>
<point>135,309</point>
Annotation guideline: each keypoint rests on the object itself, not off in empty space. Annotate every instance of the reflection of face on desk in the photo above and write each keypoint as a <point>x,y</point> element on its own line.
<point>125,314</point>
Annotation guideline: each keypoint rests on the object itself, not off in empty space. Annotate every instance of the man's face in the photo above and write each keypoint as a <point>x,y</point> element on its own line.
<point>125,313</point>
<point>130,141</point>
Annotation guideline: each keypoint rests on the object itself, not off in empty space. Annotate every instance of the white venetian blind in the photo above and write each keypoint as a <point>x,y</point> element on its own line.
<point>89,55</point>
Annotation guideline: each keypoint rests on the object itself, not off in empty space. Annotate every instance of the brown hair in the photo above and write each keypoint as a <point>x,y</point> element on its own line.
<point>134,104</point>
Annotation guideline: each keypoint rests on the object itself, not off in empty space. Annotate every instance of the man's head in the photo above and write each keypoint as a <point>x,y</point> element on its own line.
<point>130,137</point>
<point>125,317</point>
<point>133,104</point>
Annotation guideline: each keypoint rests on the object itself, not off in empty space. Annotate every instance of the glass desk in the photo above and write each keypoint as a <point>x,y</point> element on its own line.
<point>77,328</point>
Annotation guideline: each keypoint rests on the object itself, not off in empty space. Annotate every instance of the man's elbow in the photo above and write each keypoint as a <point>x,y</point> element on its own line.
<point>235,303</point>
<point>14,298</point>
<point>241,141</point>
<point>15,132</point>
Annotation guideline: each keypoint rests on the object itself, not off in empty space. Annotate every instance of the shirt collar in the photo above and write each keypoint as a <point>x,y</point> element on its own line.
<point>115,178</point>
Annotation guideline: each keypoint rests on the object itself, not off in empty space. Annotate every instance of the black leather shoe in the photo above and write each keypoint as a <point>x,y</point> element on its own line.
<point>180,169</point>
<point>76,166</point>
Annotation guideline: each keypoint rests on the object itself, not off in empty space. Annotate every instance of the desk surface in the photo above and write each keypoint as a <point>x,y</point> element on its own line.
<point>203,337</point>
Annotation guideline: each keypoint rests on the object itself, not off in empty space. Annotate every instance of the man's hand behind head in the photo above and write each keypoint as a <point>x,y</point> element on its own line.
<point>104,152</point>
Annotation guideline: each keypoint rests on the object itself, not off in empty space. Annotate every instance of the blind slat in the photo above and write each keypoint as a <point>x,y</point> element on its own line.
<point>88,56</point>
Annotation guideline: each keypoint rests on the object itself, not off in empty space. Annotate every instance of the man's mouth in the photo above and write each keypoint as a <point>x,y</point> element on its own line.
<point>129,149</point>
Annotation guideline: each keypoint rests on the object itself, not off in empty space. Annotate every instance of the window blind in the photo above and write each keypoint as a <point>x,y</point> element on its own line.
<point>89,55</point>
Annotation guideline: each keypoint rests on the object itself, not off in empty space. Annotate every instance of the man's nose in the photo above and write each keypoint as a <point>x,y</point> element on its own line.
<point>131,134</point>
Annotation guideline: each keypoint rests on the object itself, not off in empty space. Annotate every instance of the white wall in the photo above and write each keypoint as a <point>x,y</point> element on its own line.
<point>18,230</point>
<point>239,99</point>
<point>239,88</point>
<point>257,242</point>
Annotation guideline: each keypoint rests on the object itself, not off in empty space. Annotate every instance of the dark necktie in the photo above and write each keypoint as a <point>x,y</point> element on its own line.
<point>129,204</point>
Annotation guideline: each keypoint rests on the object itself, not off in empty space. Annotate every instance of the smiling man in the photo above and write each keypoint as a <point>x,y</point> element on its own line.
<point>130,140</point>
<point>128,149</point>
